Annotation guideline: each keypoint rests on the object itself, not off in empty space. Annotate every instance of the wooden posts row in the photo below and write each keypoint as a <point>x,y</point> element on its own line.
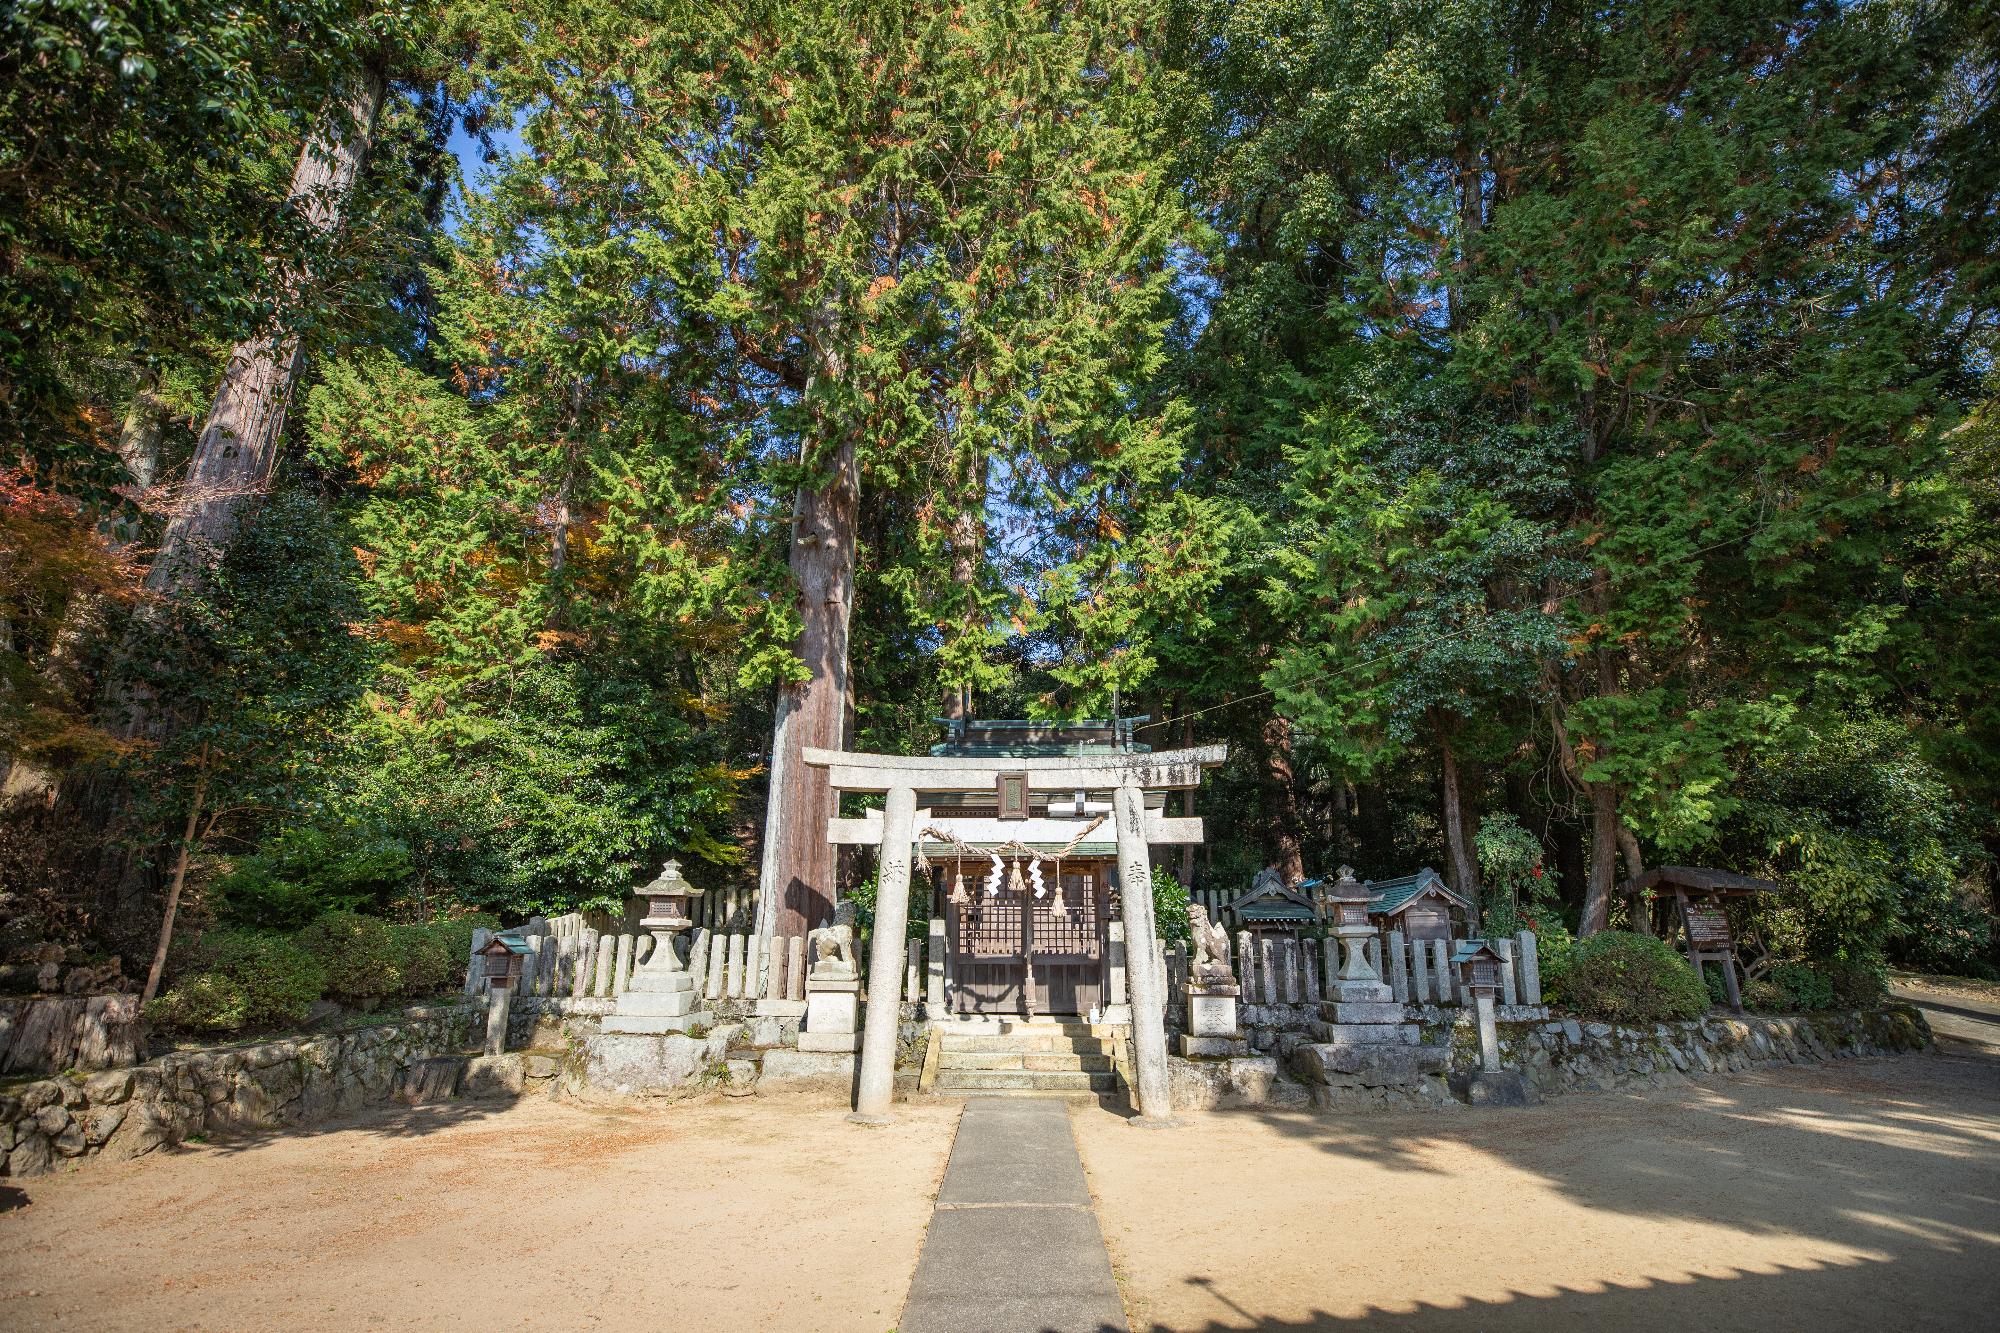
<point>1285,970</point>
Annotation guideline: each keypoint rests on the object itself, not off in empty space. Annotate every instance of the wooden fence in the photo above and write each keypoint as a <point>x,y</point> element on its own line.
<point>568,957</point>
<point>1280,969</point>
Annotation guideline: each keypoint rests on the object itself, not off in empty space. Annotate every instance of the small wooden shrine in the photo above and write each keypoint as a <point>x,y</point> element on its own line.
<point>1422,906</point>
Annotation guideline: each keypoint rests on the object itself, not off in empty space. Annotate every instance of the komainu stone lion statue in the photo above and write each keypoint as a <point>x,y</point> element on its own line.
<point>1208,953</point>
<point>832,947</point>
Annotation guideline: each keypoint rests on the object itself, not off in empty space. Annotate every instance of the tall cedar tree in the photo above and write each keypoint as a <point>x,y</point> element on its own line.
<point>874,247</point>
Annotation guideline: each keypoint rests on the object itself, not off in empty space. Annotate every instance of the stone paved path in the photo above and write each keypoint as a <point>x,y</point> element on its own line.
<point>1963,1024</point>
<point>1013,1245</point>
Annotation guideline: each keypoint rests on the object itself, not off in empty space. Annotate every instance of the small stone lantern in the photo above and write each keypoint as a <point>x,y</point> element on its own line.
<point>1344,904</point>
<point>661,998</point>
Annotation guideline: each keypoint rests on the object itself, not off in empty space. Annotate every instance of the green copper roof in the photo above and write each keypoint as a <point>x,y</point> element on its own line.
<point>1022,738</point>
<point>1390,896</point>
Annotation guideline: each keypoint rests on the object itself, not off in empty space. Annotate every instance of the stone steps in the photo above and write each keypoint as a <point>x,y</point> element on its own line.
<point>1031,1041</point>
<point>1019,1058</point>
<point>1025,1081</point>
<point>1039,1061</point>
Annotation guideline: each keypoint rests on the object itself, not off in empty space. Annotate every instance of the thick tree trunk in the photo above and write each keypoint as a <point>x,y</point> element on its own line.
<point>798,871</point>
<point>1603,858</point>
<point>1635,865</point>
<point>1281,801</point>
<point>1186,874</point>
<point>239,446</point>
<point>1464,867</point>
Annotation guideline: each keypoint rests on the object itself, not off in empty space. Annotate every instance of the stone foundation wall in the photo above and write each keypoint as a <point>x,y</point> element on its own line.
<point>1562,1055</point>
<point>124,1113</point>
<point>1570,1055</point>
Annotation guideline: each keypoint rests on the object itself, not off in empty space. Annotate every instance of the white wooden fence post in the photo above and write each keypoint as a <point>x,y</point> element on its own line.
<point>621,975</point>
<point>475,971</point>
<point>732,985</point>
<point>1531,968</point>
<point>1509,993</point>
<point>698,959</point>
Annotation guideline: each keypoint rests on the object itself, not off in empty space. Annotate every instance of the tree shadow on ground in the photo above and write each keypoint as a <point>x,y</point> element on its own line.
<point>1787,1298</point>
<point>387,1120</point>
<point>1828,1151</point>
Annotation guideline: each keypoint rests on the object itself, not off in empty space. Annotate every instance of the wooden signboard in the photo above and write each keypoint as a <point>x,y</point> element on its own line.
<point>1708,930</point>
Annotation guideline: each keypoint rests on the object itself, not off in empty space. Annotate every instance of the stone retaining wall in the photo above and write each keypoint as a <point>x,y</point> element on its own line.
<point>123,1113</point>
<point>1564,1055</point>
<point>46,1034</point>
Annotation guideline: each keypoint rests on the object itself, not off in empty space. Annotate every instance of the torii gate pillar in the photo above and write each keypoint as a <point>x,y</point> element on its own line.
<point>877,1085</point>
<point>1143,972</point>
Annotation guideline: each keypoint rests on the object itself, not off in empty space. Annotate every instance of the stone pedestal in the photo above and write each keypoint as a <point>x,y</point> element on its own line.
<point>1212,1027</point>
<point>660,999</point>
<point>832,1014</point>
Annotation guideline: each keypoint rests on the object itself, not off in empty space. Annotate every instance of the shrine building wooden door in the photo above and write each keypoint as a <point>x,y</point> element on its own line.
<point>1066,943</point>
<point>1015,954</point>
<point>988,971</point>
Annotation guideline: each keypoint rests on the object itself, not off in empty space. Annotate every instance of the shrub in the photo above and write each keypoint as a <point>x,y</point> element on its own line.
<point>1170,909</point>
<point>363,956</point>
<point>1859,980</point>
<point>863,895</point>
<point>242,979</point>
<point>306,872</point>
<point>1517,894</point>
<point>1621,977</point>
<point>1766,996</point>
<point>1803,986</point>
<point>434,953</point>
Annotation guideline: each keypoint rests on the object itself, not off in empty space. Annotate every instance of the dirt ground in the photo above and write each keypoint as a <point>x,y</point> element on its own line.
<point>1858,1195</point>
<point>536,1215</point>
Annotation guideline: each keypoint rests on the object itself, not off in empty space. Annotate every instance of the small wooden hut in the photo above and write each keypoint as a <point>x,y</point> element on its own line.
<point>1422,906</point>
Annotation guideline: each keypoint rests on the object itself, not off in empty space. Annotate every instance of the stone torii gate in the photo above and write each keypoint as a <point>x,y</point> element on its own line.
<point>1128,776</point>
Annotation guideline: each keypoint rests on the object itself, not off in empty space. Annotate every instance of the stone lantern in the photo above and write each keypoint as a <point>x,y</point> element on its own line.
<point>1344,904</point>
<point>660,997</point>
<point>667,910</point>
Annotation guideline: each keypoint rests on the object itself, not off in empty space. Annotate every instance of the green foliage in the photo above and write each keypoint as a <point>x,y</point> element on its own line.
<point>364,958</point>
<point>1516,894</point>
<point>306,871</point>
<point>1170,909</point>
<point>863,897</point>
<point>1866,838</point>
<point>143,217</point>
<point>1803,986</point>
<point>1857,983</point>
<point>242,980</point>
<point>1620,977</point>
